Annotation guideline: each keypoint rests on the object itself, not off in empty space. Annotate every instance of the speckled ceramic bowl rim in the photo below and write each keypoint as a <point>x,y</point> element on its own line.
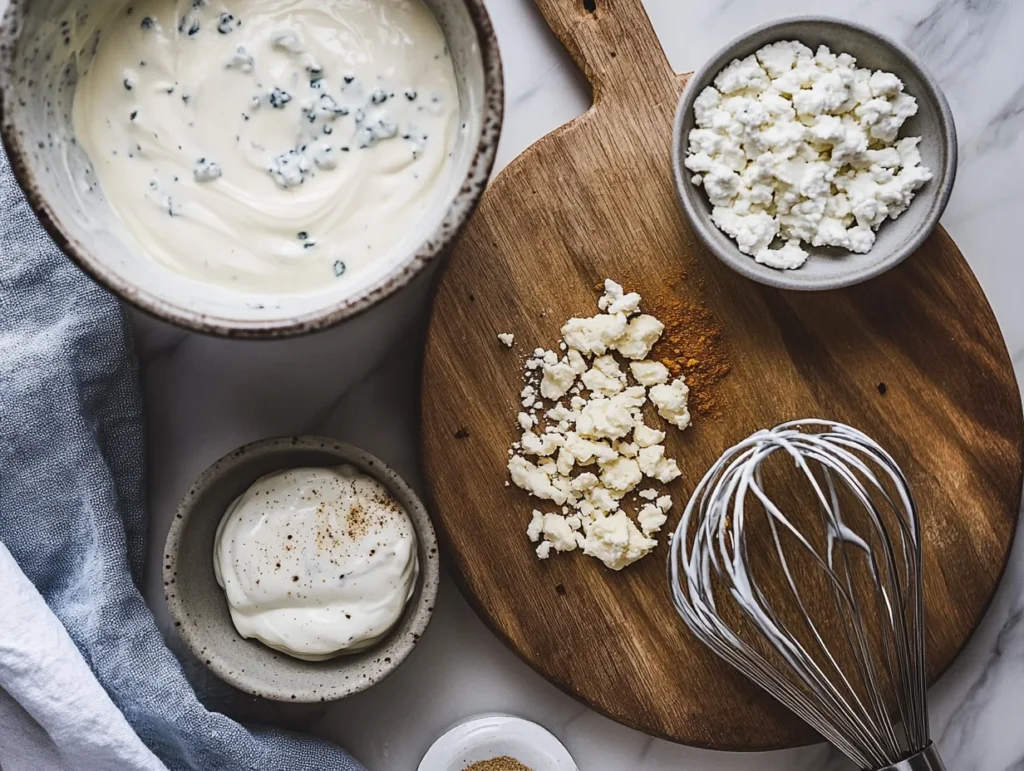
<point>745,264</point>
<point>429,577</point>
<point>434,242</point>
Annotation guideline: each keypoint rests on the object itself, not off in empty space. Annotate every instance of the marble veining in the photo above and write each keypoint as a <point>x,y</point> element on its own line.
<point>207,396</point>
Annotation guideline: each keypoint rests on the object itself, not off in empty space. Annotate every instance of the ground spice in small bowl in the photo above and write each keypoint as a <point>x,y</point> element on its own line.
<point>504,763</point>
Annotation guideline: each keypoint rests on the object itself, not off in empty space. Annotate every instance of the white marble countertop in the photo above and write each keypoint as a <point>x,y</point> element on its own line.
<point>207,396</point>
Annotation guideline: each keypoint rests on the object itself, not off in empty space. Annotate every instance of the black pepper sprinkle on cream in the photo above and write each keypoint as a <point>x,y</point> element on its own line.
<point>378,97</point>
<point>410,94</point>
<point>128,85</point>
<point>339,271</point>
<point>303,235</point>
<point>147,23</point>
<point>134,114</point>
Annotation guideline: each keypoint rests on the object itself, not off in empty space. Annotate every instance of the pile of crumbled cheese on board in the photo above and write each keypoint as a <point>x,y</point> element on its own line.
<point>585,444</point>
<point>802,146</point>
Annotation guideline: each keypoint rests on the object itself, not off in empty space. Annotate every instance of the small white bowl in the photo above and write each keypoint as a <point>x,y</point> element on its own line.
<point>494,736</point>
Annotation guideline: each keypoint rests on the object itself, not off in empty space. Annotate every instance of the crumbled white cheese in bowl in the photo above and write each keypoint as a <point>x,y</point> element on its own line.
<point>798,165</point>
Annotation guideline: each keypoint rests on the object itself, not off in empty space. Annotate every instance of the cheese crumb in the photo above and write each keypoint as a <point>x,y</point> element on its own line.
<point>667,470</point>
<point>645,436</point>
<point>506,339</point>
<point>615,301</point>
<point>542,446</point>
<point>639,337</point>
<point>621,475</point>
<point>594,335</point>
<point>605,378</point>
<point>558,379</point>
<point>531,478</point>
<point>536,526</point>
<point>651,519</point>
<point>672,401</point>
<point>617,542</point>
<point>558,532</point>
<point>649,373</point>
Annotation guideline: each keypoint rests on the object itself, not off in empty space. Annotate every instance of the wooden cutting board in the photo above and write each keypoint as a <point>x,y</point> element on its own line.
<point>595,199</point>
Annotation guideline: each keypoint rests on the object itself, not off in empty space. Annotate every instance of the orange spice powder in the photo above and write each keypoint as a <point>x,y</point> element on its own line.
<point>692,345</point>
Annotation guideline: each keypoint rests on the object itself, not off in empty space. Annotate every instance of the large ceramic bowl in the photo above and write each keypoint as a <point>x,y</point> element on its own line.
<point>826,267</point>
<point>36,99</point>
<point>199,609</point>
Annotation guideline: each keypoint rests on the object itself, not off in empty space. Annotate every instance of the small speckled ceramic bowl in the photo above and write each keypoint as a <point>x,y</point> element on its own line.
<point>826,267</point>
<point>199,609</point>
<point>39,72</point>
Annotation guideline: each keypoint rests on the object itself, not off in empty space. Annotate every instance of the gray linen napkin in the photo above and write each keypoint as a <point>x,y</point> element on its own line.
<point>72,504</point>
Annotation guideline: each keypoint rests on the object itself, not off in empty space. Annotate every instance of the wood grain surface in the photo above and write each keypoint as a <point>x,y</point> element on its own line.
<point>595,199</point>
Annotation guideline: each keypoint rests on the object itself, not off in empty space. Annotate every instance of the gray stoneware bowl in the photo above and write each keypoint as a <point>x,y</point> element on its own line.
<point>199,609</point>
<point>38,75</point>
<point>827,267</point>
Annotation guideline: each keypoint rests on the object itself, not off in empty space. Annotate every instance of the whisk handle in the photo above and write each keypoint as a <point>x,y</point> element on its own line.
<point>926,760</point>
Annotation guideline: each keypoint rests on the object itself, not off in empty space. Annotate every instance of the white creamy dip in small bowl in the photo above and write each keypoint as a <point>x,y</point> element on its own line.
<point>316,562</point>
<point>308,621</point>
<point>254,168</point>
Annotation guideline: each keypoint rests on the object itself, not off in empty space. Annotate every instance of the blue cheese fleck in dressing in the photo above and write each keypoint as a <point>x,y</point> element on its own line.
<point>220,129</point>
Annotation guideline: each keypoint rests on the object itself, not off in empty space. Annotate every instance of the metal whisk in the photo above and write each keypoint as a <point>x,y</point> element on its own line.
<point>822,606</point>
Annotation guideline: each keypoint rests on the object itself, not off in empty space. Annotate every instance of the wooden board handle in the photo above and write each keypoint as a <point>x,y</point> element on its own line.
<point>612,42</point>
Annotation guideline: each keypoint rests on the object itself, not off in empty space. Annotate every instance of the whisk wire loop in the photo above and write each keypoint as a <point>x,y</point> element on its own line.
<point>857,674</point>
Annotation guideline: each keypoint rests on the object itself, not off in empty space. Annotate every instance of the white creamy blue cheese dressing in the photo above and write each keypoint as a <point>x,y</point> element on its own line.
<point>316,562</point>
<point>269,146</point>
